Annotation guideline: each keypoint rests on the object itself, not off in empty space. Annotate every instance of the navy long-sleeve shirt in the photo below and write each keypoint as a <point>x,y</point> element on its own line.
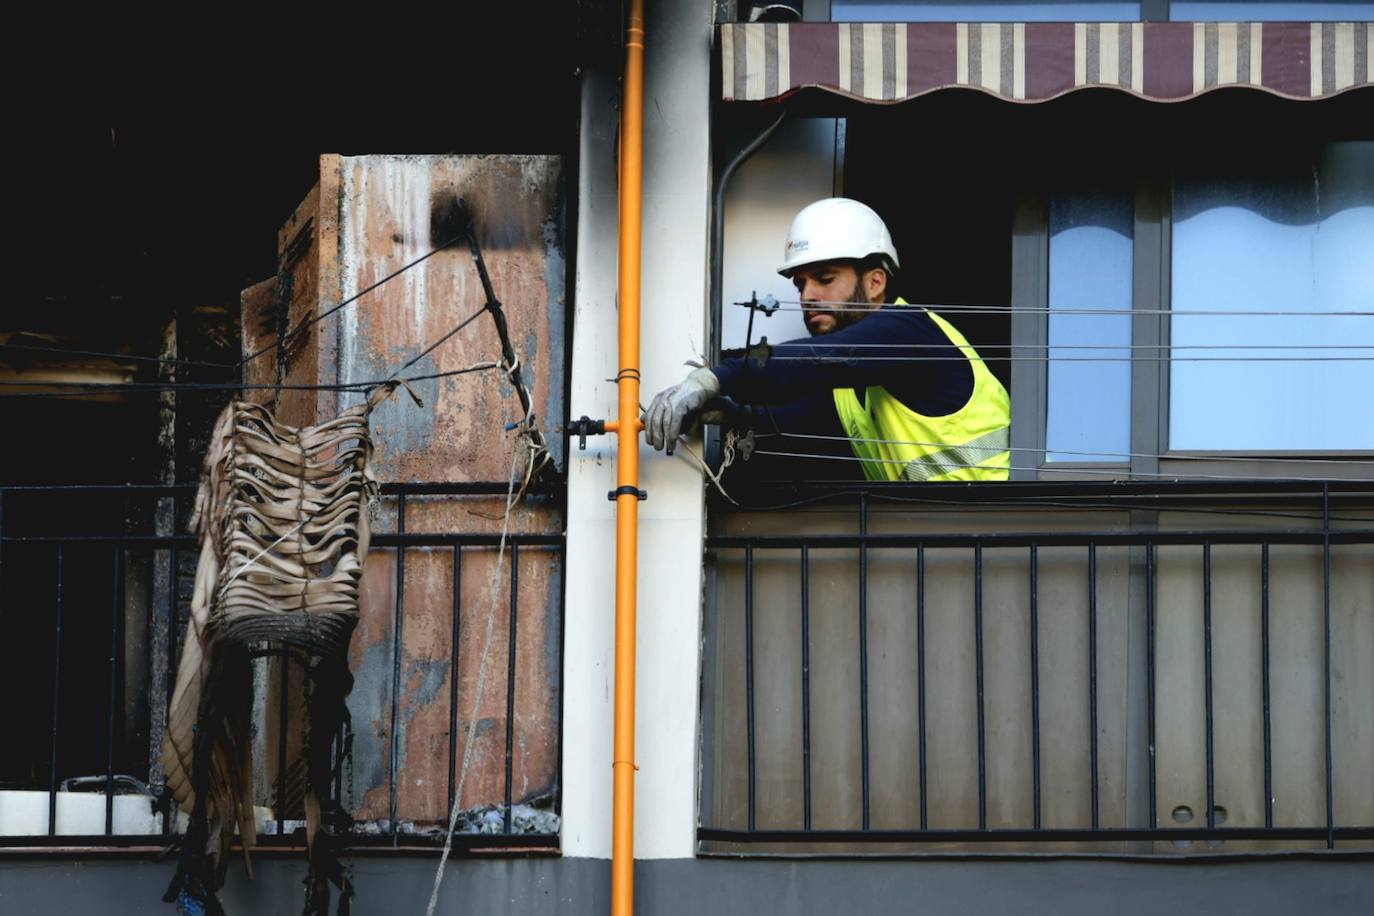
<point>917,364</point>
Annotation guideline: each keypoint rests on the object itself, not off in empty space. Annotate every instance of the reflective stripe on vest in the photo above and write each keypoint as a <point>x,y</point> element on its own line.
<point>897,443</point>
<point>954,457</point>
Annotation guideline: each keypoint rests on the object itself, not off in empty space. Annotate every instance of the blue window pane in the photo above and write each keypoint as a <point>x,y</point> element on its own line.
<point>1300,242</point>
<point>1088,408</point>
<point>1252,11</point>
<point>1003,11</point>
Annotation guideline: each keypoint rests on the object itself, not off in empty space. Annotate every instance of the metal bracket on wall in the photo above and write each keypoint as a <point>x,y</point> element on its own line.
<point>627,490</point>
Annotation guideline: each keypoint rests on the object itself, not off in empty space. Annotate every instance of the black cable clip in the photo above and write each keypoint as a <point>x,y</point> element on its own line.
<point>585,426</point>
<point>746,445</point>
<point>627,490</point>
<point>759,352</point>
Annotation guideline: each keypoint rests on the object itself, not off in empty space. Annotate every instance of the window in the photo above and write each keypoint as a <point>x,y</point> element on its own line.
<point>1101,11</point>
<point>1089,373</point>
<point>1273,11</point>
<point>1279,253</point>
<point>1244,326</point>
<point>1002,11</point>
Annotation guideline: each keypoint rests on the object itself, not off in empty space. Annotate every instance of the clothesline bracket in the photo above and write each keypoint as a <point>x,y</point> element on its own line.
<point>585,426</point>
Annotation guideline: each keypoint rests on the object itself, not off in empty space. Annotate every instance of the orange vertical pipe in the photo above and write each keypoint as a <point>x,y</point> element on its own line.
<point>627,466</point>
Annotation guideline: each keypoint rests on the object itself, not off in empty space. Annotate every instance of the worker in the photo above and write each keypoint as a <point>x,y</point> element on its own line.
<point>900,383</point>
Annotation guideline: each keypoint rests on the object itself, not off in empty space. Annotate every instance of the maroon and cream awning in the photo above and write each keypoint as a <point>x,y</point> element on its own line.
<point>1035,61</point>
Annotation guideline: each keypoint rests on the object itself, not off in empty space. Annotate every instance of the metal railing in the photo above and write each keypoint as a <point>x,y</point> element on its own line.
<point>1333,522</point>
<point>38,522</point>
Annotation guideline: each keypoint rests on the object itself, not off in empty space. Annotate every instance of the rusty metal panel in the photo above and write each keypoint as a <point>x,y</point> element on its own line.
<point>368,218</point>
<point>388,206</point>
<point>389,210</point>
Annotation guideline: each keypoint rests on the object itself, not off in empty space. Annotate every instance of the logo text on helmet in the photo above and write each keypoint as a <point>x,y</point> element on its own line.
<point>798,244</point>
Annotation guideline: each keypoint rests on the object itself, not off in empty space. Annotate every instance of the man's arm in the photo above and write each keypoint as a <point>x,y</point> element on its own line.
<point>901,349</point>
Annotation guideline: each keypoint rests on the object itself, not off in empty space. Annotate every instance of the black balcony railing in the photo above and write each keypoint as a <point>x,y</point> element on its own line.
<point>66,551</point>
<point>1252,522</point>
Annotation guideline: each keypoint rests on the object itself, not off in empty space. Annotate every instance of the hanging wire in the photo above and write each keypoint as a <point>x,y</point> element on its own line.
<point>534,453</point>
<point>315,319</point>
<point>121,357</point>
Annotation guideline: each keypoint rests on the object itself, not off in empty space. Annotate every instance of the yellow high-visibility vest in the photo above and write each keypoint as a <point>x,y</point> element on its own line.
<point>897,443</point>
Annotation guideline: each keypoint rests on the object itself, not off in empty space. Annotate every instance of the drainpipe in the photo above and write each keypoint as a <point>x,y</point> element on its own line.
<point>627,493</point>
<point>718,229</point>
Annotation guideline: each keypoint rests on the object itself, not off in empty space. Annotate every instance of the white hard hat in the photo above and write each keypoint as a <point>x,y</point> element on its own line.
<point>836,229</point>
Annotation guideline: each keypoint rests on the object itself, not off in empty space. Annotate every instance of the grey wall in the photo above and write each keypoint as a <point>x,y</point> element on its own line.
<point>395,884</point>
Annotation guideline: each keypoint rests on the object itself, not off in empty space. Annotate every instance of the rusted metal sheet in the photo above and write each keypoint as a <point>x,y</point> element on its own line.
<point>389,211</point>
<point>369,217</point>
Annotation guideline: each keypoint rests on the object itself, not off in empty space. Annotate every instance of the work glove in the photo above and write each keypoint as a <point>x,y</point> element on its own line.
<point>673,409</point>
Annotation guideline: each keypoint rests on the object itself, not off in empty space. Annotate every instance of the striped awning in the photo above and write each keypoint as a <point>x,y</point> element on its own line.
<point>1034,61</point>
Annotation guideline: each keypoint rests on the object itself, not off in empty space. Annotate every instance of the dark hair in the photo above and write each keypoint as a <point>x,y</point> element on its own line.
<point>879,262</point>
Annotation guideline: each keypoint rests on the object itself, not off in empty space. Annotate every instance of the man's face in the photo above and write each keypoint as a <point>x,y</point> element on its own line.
<point>831,294</point>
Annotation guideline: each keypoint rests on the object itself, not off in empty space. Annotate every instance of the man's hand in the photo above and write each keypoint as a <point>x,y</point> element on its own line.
<point>674,408</point>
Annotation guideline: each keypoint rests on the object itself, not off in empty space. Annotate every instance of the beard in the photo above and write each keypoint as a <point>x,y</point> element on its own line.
<point>841,314</point>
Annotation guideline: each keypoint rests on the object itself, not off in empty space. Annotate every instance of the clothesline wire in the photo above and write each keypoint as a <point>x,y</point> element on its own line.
<point>305,323</point>
<point>842,305</point>
<point>1095,472</point>
<point>1022,502</point>
<point>828,306</point>
<point>822,343</point>
<point>995,449</point>
<point>821,360</point>
<point>442,340</point>
<point>82,389</point>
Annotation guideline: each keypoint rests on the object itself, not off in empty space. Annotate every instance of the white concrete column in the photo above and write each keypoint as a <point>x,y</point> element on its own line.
<point>676,211</point>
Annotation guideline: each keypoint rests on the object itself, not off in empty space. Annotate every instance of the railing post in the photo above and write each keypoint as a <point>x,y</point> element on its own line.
<point>1264,687</point>
<point>56,700</point>
<point>1092,680</point>
<point>453,673</point>
<point>510,673</point>
<point>978,671</point>
<point>1326,660</point>
<point>749,679</point>
<point>1035,683</point>
<point>863,656</point>
<point>921,676</point>
<point>396,656</point>
<point>1207,683</point>
<point>116,647</point>
<point>806,685</point>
